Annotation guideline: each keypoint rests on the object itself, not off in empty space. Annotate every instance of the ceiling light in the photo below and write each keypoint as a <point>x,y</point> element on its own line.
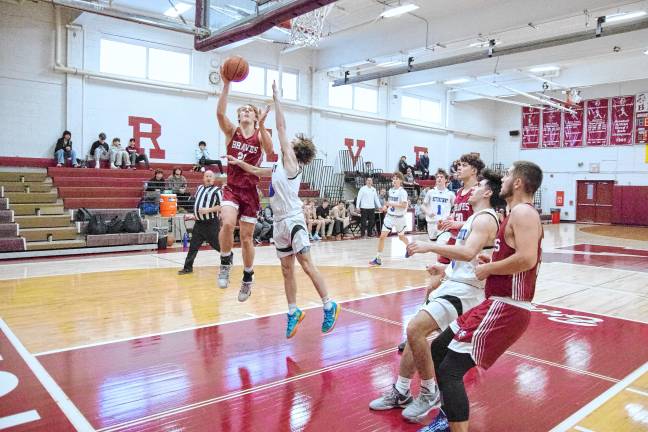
<point>623,16</point>
<point>483,44</point>
<point>390,63</point>
<point>646,52</point>
<point>179,9</point>
<point>456,81</point>
<point>399,10</point>
<point>541,69</point>
<point>423,84</point>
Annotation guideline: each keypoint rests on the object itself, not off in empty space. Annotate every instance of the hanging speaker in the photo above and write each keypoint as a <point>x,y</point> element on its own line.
<point>514,133</point>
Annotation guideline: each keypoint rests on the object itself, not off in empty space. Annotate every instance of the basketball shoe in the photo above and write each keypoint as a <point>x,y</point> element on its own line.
<point>426,401</point>
<point>330,317</point>
<point>376,262</point>
<point>392,399</point>
<point>293,321</point>
<point>439,424</point>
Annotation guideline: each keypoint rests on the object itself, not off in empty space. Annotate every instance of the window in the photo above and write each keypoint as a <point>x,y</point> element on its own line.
<point>426,110</point>
<point>259,82</point>
<point>141,61</point>
<point>359,98</point>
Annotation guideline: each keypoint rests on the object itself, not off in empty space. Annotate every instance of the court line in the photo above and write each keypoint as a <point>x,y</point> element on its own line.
<point>591,313</point>
<point>582,429</point>
<point>68,408</point>
<point>637,391</point>
<point>213,324</point>
<point>574,419</point>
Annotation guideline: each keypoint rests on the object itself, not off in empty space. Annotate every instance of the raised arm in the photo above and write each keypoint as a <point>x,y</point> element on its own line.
<point>288,153</point>
<point>221,110</point>
<point>264,135</point>
<point>257,171</point>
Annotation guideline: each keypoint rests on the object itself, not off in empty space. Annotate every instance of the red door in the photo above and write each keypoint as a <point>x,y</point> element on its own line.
<point>594,201</point>
<point>604,205</point>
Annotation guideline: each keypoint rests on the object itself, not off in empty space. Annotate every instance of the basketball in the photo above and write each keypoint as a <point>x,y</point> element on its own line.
<point>235,68</point>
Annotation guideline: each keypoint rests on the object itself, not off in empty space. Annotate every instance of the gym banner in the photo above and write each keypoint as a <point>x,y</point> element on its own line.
<point>597,122</point>
<point>573,127</point>
<point>622,118</point>
<point>530,128</point>
<point>551,127</point>
<point>642,120</point>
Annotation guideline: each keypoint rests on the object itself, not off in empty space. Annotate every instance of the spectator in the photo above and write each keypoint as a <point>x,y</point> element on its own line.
<point>424,165</point>
<point>410,182</point>
<point>402,165</point>
<point>455,182</point>
<point>419,215</point>
<point>263,228</point>
<point>367,201</point>
<point>340,220</point>
<point>156,183</point>
<point>64,150</point>
<point>323,215</point>
<point>135,156</point>
<point>382,197</point>
<point>178,184</point>
<point>99,150</point>
<point>312,221</point>
<point>203,159</point>
<point>354,212</point>
<point>118,156</point>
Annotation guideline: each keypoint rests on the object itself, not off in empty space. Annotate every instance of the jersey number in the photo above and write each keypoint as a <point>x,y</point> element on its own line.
<point>240,156</point>
<point>496,246</point>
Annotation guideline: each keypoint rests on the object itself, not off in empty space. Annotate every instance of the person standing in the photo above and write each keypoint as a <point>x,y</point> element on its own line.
<point>437,204</point>
<point>424,165</point>
<point>64,150</point>
<point>205,213</point>
<point>367,201</point>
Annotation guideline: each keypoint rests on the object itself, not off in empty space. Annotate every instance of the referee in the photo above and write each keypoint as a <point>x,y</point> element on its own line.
<point>205,213</point>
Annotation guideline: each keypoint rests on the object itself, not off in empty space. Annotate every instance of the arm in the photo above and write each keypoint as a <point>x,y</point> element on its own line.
<point>524,222</point>
<point>288,153</point>
<point>265,139</point>
<point>221,110</point>
<point>257,171</point>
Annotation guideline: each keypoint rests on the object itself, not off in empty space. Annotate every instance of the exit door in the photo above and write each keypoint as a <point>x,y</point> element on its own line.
<point>594,201</point>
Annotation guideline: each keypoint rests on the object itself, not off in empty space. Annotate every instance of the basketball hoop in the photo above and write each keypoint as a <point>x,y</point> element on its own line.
<point>306,30</point>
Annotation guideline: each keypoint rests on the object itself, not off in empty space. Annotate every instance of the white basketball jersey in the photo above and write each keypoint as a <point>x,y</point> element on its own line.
<point>284,193</point>
<point>396,196</point>
<point>438,203</point>
<point>464,271</point>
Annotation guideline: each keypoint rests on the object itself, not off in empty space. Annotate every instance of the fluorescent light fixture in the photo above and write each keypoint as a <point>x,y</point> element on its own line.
<point>646,52</point>
<point>456,81</point>
<point>423,84</point>
<point>399,10</point>
<point>355,64</point>
<point>483,44</point>
<point>390,63</point>
<point>179,9</point>
<point>541,69</point>
<point>623,16</point>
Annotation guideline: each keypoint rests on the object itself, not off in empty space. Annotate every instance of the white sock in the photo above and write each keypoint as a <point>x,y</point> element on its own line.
<point>248,269</point>
<point>328,304</point>
<point>403,385</point>
<point>378,255</point>
<point>292,308</point>
<point>429,385</point>
<point>225,254</point>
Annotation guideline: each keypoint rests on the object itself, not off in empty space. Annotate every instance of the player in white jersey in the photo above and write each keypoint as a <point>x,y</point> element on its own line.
<point>289,227</point>
<point>396,208</point>
<point>456,290</point>
<point>437,204</point>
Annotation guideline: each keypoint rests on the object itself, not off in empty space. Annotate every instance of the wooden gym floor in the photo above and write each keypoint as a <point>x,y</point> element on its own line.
<point>121,342</point>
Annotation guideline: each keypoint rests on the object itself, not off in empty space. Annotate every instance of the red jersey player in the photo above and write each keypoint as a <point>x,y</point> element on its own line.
<point>484,333</point>
<point>240,197</point>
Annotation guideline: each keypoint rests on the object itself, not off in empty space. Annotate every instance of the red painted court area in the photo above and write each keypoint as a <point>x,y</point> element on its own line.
<point>245,376</point>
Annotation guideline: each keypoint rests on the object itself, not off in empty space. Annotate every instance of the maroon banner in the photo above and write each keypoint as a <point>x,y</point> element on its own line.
<point>530,128</point>
<point>573,127</point>
<point>597,122</point>
<point>622,120</point>
<point>642,119</point>
<point>551,126</point>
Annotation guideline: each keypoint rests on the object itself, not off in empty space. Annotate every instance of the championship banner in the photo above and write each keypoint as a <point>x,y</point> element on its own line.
<point>642,120</point>
<point>573,127</point>
<point>530,128</point>
<point>622,125</point>
<point>597,122</point>
<point>551,127</point>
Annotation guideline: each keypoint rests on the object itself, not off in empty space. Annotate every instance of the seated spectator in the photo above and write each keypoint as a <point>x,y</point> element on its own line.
<point>311,220</point>
<point>118,156</point>
<point>64,150</point>
<point>424,165</point>
<point>402,165</point>
<point>178,184</point>
<point>156,183</point>
<point>263,228</point>
<point>136,155</point>
<point>99,150</point>
<point>203,159</point>
<point>410,182</point>
<point>419,215</point>
<point>340,220</point>
<point>323,215</point>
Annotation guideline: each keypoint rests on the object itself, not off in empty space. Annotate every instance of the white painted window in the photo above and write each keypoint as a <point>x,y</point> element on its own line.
<point>253,84</point>
<point>170,66</point>
<point>341,97</point>
<point>259,82</point>
<point>360,98</point>
<point>427,110</point>
<point>290,85</point>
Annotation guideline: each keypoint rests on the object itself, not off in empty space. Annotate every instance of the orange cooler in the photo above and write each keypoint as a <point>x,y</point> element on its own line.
<point>168,205</point>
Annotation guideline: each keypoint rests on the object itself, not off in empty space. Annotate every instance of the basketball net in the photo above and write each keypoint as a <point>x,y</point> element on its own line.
<point>306,29</point>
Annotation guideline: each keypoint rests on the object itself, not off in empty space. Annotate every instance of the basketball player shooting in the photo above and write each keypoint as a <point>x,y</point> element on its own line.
<point>240,198</point>
<point>289,233</point>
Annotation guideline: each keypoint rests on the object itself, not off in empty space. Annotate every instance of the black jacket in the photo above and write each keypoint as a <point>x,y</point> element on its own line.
<point>96,145</point>
<point>402,166</point>
<point>424,162</point>
<point>154,184</point>
<point>61,144</point>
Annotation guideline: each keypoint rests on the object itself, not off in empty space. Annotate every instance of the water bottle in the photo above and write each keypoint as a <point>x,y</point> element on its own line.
<point>185,240</point>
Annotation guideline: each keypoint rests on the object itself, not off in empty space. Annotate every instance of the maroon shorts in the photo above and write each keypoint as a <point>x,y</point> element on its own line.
<point>246,201</point>
<point>488,330</point>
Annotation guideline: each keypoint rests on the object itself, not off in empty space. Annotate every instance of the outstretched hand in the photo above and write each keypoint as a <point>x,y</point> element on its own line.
<point>275,91</point>
<point>416,247</point>
<point>264,115</point>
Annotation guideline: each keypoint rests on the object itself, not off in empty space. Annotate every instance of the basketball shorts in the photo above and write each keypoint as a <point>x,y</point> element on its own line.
<point>450,301</point>
<point>394,223</point>
<point>290,236</point>
<point>244,200</point>
<point>488,330</point>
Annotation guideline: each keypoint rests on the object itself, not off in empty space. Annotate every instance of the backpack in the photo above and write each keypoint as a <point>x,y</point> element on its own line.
<point>97,225</point>
<point>116,225</point>
<point>149,208</point>
<point>132,222</point>
<point>82,215</point>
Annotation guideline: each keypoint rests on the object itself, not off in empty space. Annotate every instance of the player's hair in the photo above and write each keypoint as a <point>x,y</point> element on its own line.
<point>494,183</point>
<point>254,108</point>
<point>399,175</point>
<point>305,150</point>
<point>530,173</point>
<point>473,160</point>
<point>443,172</point>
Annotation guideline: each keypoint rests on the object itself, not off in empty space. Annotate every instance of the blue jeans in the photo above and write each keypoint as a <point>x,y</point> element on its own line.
<point>61,155</point>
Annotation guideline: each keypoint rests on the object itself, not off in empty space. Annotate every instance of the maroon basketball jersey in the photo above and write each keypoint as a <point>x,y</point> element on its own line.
<point>461,210</point>
<point>518,286</point>
<point>247,150</point>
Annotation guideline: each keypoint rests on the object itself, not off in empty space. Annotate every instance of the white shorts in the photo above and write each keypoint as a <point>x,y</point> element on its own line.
<point>290,236</point>
<point>394,223</point>
<point>451,300</point>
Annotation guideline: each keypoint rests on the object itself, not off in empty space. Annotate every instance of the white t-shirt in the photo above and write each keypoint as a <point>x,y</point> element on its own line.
<point>438,203</point>
<point>396,196</point>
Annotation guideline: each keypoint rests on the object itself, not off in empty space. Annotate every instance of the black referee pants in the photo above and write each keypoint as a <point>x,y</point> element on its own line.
<point>203,231</point>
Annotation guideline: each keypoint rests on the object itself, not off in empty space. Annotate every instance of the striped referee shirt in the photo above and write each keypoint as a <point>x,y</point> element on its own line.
<point>206,197</point>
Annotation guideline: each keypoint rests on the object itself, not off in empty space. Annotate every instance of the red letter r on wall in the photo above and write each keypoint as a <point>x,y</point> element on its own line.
<point>156,130</point>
